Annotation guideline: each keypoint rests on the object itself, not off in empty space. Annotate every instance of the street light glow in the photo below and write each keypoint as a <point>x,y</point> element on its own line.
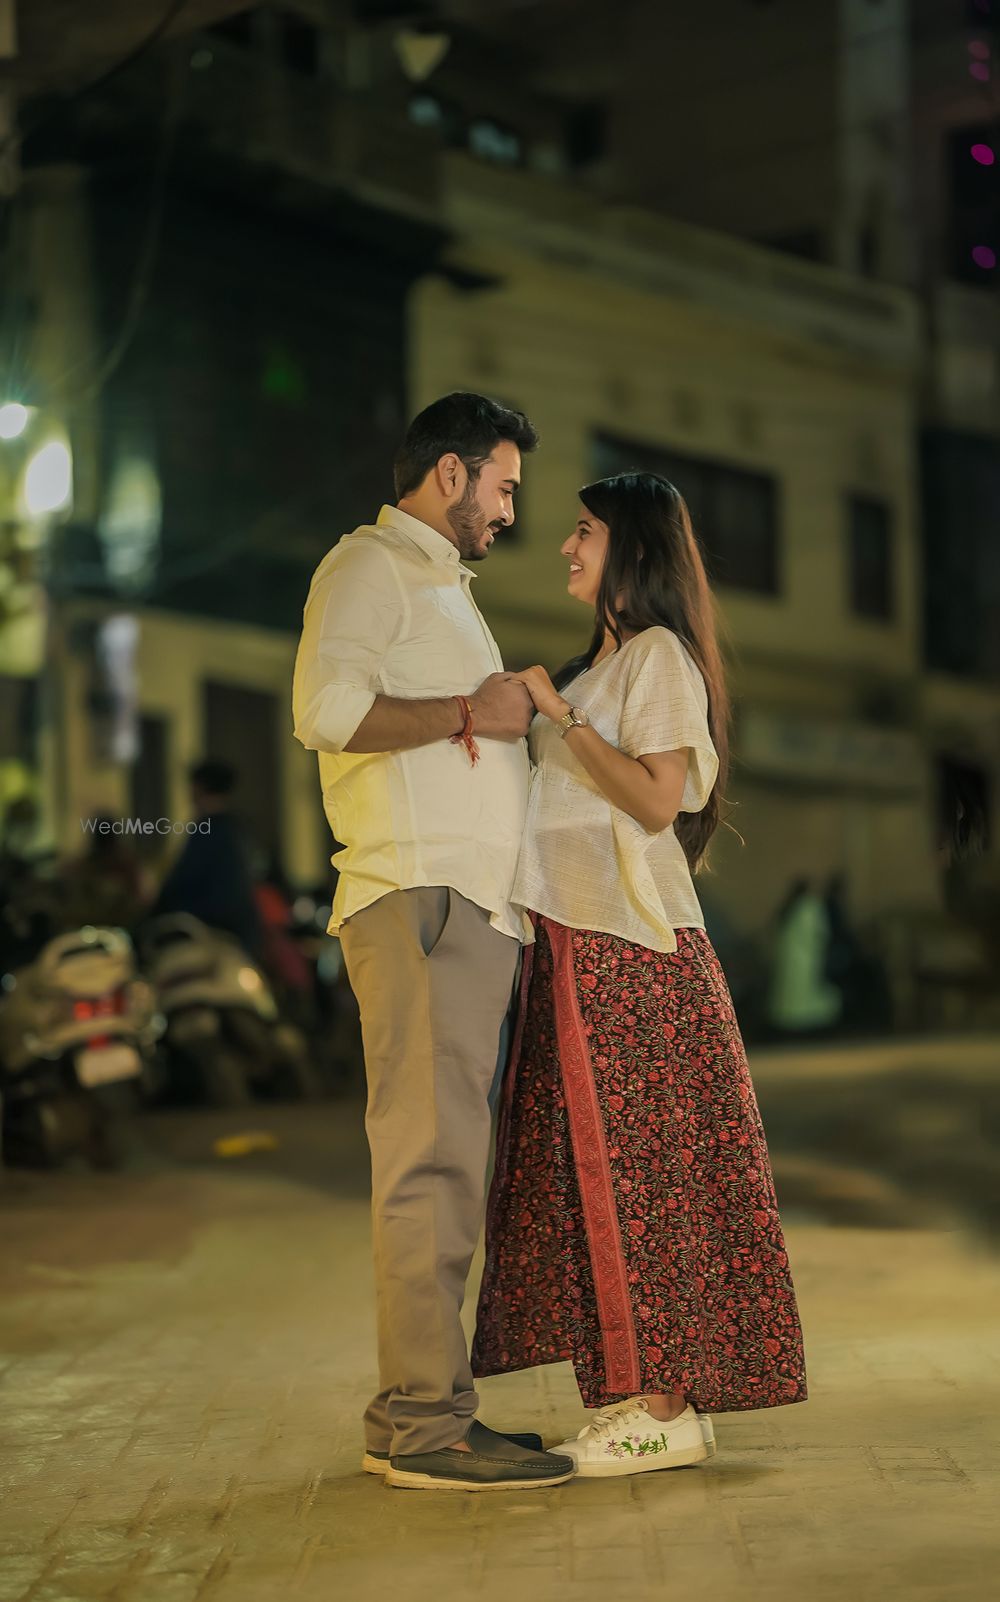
<point>48,479</point>
<point>13,420</point>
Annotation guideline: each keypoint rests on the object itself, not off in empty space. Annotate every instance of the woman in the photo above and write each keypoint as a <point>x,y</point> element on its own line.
<point>632,1225</point>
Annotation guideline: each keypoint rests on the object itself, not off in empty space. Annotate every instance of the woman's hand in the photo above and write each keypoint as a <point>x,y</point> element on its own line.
<point>543,693</point>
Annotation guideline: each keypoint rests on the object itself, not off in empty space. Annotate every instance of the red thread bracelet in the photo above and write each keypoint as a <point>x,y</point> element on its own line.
<point>465,733</point>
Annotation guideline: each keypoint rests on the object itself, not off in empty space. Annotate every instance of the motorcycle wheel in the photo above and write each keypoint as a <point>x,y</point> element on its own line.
<point>43,1133</point>
<point>223,1075</point>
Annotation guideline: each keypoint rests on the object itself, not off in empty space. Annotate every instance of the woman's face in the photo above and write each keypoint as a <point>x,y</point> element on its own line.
<point>586,550</point>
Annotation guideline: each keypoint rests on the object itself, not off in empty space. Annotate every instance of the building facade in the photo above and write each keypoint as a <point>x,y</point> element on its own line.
<point>245,262</point>
<point>782,401</point>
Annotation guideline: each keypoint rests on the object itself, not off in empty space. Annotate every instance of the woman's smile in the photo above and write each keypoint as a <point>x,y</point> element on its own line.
<point>593,534</point>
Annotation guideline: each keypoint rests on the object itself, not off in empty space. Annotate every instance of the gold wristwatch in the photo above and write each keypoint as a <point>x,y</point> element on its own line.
<point>575,718</point>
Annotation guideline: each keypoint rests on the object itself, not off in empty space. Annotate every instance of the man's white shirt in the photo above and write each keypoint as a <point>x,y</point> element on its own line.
<point>390,612</point>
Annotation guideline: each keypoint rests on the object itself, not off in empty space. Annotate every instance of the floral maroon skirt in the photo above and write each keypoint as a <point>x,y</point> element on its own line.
<point>632,1227</point>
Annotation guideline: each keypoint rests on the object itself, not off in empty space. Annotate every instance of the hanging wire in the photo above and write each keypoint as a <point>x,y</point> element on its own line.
<point>146,43</point>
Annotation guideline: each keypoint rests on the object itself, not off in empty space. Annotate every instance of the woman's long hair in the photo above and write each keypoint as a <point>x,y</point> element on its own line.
<point>654,575</point>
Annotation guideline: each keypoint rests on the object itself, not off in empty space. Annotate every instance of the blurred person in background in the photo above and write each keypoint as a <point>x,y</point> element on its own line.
<point>802,999</point>
<point>105,883</point>
<point>632,1226</point>
<point>400,687</point>
<point>212,877</point>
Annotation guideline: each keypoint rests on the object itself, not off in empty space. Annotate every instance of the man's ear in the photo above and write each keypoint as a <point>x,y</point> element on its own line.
<point>449,468</point>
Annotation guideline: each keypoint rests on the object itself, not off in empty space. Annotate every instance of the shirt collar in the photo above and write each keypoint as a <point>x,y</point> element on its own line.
<point>433,545</point>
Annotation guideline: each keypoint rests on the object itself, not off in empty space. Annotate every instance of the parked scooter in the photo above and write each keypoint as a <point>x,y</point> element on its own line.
<point>77,1027</point>
<point>224,1037</point>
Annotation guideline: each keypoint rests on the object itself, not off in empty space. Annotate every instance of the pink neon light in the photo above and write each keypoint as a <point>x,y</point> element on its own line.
<point>983,256</point>
<point>981,71</point>
<point>983,154</point>
<point>980,49</point>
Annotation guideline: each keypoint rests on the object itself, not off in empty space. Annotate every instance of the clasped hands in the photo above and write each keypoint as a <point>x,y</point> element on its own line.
<point>505,703</point>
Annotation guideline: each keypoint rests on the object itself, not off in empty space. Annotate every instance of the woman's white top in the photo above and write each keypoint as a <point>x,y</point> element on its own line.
<point>585,863</point>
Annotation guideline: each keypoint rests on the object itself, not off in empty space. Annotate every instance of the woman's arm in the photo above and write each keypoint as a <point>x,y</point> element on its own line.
<point>649,788</point>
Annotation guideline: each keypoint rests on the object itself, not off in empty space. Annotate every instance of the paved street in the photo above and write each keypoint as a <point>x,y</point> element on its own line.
<point>187,1347</point>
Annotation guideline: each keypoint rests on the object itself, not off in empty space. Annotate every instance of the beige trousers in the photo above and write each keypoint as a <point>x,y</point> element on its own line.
<point>433,980</point>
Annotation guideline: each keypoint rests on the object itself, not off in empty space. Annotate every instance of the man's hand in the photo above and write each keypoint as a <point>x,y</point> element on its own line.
<point>501,708</point>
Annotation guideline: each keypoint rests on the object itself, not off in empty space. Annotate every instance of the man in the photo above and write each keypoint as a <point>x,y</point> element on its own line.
<point>400,687</point>
<point>211,877</point>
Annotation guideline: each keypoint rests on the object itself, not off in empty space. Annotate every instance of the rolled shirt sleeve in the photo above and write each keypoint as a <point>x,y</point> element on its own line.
<point>666,709</point>
<point>351,616</point>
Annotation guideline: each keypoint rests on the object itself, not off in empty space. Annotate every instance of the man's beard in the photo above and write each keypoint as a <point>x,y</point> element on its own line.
<point>469,524</point>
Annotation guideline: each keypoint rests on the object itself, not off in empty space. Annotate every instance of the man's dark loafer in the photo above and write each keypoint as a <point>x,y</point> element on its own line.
<point>378,1462</point>
<point>493,1463</point>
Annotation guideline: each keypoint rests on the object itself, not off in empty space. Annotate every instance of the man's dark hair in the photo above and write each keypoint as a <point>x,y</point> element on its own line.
<point>214,778</point>
<point>470,425</point>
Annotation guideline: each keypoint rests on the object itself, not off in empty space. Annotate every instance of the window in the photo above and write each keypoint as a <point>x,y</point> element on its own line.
<point>734,510</point>
<point>964,807</point>
<point>426,111</point>
<point>870,557</point>
<point>439,116</point>
<point>960,492</point>
<point>973,238</point>
<point>495,143</point>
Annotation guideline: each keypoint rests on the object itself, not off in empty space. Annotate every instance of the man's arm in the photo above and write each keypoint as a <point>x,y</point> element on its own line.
<point>501,710</point>
<point>351,618</point>
<point>397,724</point>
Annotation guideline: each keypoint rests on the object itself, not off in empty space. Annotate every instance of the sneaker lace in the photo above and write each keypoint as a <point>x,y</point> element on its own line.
<point>607,1421</point>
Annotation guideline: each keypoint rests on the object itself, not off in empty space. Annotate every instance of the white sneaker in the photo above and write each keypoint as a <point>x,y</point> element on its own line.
<point>704,1419</point>
<point>626,1439</point>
